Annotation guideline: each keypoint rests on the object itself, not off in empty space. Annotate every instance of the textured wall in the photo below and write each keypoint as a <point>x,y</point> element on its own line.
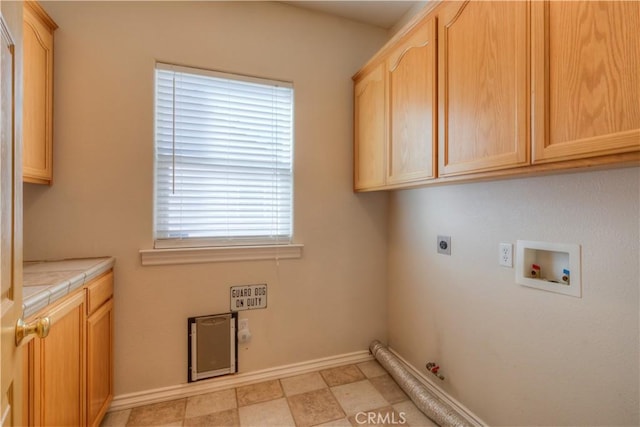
<point>332,301</point>
<point>516,355</point>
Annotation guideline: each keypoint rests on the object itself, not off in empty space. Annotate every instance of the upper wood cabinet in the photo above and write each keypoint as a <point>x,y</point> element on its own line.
<point>395,114</point>
<point>412,90</point>
<point>523,87</point>
<point>369,129</point>
<point>38,94</point>
<point>586,79</point>
<point>484,93</point>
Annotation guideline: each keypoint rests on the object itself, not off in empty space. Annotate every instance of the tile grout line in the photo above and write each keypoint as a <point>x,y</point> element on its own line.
<point>323,374</point>
<point>288,403</point>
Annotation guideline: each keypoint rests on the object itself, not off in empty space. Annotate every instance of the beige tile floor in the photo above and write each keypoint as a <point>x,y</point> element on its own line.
<point>351,395</point>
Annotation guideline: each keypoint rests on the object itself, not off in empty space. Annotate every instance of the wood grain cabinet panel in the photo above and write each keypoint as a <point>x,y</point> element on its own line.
<point>99,363</point>
<point>483,86</point>
<point>37,138</point>
<point>369,130</point>
<point>55,368</point>
<point>99,291</point>
<point>586,76</point>
<point>69,374</point>
<point>523,87</point>
<point>412,90</point>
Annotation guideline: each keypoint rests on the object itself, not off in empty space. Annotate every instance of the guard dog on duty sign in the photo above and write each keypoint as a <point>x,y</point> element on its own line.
<point>248,297</point>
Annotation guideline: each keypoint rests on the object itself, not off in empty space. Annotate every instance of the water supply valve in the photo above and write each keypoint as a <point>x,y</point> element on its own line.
<point>434,368</point>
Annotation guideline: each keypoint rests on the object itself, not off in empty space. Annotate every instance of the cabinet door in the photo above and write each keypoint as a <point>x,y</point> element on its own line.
<point>483,90</point>
<point>38,94</point>
<point>586,76</point>
<point>56,377</point>
<point>99,363</point>
<point>411,82</point>
<point>369,130</point>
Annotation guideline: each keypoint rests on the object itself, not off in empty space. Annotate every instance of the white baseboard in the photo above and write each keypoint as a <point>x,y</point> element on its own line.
<point>434,388</point>
<point>130,400</point>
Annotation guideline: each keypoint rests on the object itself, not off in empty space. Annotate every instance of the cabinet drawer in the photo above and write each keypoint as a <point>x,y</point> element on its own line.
<point>99,291</point>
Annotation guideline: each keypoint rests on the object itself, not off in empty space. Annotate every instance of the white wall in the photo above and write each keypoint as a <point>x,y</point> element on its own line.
<point>332,301</point>
<point>413,11</point>
<point>511,354</point>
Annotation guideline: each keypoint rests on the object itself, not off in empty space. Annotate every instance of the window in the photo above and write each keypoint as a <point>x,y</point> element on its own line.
<point>223,166</point>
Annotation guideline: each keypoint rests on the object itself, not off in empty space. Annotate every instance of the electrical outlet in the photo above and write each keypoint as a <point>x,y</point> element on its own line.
<point>243,324</point>
<point>444,245</point>
<point>506,255</point>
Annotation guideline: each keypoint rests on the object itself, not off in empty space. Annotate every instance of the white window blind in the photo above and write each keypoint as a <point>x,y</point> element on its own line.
<point>223,166</point>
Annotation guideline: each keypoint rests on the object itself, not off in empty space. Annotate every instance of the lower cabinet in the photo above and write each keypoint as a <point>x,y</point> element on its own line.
<point>99,349</point>
<point>69,374</point>
<point>55,368</point>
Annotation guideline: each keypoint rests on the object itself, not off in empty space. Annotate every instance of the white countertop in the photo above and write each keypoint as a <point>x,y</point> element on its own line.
<point>44,282</point>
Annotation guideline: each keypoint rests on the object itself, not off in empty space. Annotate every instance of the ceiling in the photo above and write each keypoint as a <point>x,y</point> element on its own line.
<point>383,14</point>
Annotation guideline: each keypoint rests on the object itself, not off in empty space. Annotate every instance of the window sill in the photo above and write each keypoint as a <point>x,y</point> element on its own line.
<point>219,254</point>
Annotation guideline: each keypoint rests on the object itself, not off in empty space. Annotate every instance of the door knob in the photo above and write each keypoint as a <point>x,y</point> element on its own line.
<point>40,327</point>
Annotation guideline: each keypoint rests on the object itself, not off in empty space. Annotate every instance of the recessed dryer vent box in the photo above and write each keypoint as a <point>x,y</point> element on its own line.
<point>553,267</point>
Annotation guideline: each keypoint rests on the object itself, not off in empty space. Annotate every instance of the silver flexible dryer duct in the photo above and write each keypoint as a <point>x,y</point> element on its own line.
<point>430,405</point>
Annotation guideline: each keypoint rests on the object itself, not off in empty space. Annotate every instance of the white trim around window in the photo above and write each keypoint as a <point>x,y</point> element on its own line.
<point>151,257</point>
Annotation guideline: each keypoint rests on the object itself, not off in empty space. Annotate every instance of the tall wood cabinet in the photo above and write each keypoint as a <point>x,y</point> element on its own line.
<point>412,90</point>
<point>484,104</point>
<point>69,374</point>
<point>370,129</point>
<point>586,77</point>
<point>37,138</point>
<point>395,113</point>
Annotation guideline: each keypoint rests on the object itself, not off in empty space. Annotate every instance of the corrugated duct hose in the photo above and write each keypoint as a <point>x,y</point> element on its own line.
<point>430,405</point>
